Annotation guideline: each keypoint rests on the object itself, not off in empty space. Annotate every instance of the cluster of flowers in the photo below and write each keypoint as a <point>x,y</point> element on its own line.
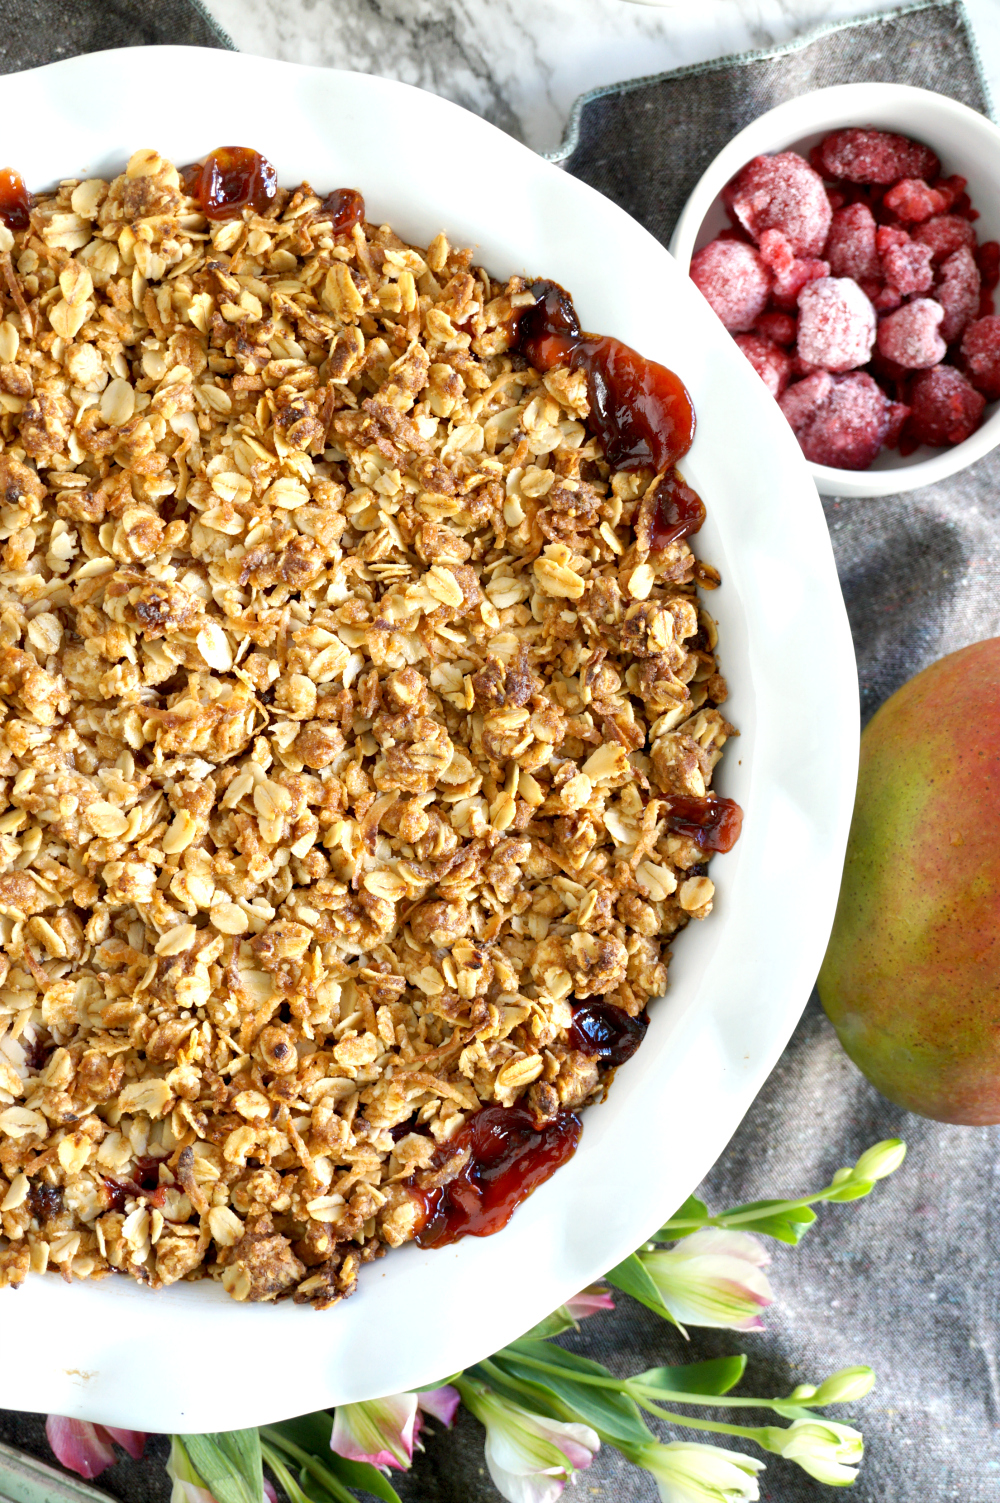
<point>546,1412</point>
<point>866,257</point>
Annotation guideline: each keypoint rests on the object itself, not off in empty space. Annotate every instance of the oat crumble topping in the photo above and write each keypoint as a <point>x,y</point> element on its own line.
<point>340,692</point>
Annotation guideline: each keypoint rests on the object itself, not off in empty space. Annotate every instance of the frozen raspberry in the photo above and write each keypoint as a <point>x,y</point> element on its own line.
<point>782,193</point>
<point>734,279</point>
<point>875,156</point>
<point>906,264</point>
<point>988,261</point>
<point>781,327</point>
<point>957,290</point>
<point>836,324</point>
<point>944,408</point>
<point>981,353</point>
<point>898,413</point>
<point>838,420</point>
<point>912,201</point>
<point>791,272</point>
<point>910,337</point>
<point>850,247</point>
<point>886,300</point>
<point>944,234</point>
<point>772,364</point>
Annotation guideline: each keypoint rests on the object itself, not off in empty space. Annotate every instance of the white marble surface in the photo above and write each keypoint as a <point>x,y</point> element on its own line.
<point>521,63</point>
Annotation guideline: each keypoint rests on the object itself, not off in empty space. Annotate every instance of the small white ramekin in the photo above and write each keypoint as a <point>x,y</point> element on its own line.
<point>966,142</point>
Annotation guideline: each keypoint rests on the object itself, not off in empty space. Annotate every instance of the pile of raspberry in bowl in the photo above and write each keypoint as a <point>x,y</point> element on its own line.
<point>855,285</point>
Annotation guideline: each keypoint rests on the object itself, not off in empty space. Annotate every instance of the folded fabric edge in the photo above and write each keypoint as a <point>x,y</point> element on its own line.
<point>213,25</point>
<point>571,136</point>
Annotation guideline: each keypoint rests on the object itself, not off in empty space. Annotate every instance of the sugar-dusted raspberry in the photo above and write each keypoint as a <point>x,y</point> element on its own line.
<point>957,290</point>
<point>836,324</point>
<point>838,420</point>
<point>782,193</point>
<point>850,246</point>
<point>791,272</point>
<point>981,353</point>
<point>944,234</point>
<point>912,201</point>
<point>734,279</point>
<point>910,336</point>
<point>906,263</point>
<point>781,327</point>
<point>875,156</point>
<point>944,408</point>
<point>772,364</point>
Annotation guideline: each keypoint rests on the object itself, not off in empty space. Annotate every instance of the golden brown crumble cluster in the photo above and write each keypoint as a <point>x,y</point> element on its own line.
<point>338,692</point>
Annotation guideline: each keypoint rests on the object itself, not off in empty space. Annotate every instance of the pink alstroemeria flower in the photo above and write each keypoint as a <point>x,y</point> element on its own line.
<point>85,1448</point>
<point>588,1302</point>
<point>530,1458</point>
<point>439,1403</point>
<point>713,1278</point>
<point>380,1431</point>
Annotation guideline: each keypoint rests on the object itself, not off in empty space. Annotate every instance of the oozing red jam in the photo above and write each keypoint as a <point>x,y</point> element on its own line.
<point>639,410</point>
<point>145,1183</point>
<point>606,1032</point>
<point>713,823</point>
<point>680,511</point>
<point>345,207</point>
<point>509,1158</point>
<point>15,200</point>
<point>233,178</point>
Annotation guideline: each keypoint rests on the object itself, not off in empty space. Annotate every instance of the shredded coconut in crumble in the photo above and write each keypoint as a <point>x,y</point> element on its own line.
<point>338,700</point>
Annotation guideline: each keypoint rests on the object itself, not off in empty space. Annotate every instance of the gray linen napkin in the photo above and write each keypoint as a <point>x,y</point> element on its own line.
<point>907,1279</point>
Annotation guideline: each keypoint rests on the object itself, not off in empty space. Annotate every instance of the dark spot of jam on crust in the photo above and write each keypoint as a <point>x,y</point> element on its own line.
<point>606,1032</point>
<point>639,410</point>
<point>509,1158</point>
<point>45,1201</point>
<point>713,823</point>
<point>345,208</point>
<point>231,179</point>
<point>145,1184</point>
<point>15,200</point>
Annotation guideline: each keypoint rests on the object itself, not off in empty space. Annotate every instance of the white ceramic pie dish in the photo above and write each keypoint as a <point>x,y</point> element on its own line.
<point>967,143</point>
<point>189,1358</point>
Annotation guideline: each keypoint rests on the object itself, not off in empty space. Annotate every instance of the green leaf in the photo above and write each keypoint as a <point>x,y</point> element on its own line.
<point>553,1325</point>
<point>310,1431</point>
<point>631,1277</point>
<point>692,1209</point>
<point>362,1474</point>
<point>311,1434</point>
<point>613,1413</point>
<point>788,1224</point>
<point>717,1376</point>
<point>230,1463</point>
<point>788,1410</point>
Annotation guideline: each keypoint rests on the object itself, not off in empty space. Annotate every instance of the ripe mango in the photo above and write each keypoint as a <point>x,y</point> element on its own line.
<point>911,979</point>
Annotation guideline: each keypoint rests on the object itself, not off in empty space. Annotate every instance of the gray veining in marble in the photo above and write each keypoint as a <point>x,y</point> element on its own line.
<point>521,63</point>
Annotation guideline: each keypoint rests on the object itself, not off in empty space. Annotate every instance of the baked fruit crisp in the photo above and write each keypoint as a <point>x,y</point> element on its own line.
<point>358,720</point>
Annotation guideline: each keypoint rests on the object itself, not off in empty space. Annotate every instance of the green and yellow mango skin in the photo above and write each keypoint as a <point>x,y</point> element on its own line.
<point>911,979</point>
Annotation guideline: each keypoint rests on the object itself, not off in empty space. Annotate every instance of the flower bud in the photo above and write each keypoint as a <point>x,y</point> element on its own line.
<point>689,1472</point>
<point>804,1391</point>
<point>846,1386</point>
<point>881,1160</point>
<point>827,1451</point>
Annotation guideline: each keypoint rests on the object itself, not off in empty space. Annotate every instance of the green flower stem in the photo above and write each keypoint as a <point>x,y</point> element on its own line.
<point>313,1467</point>
<point>742,1218</point>
<point>715,1426</point>
<point>631,1387</point>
